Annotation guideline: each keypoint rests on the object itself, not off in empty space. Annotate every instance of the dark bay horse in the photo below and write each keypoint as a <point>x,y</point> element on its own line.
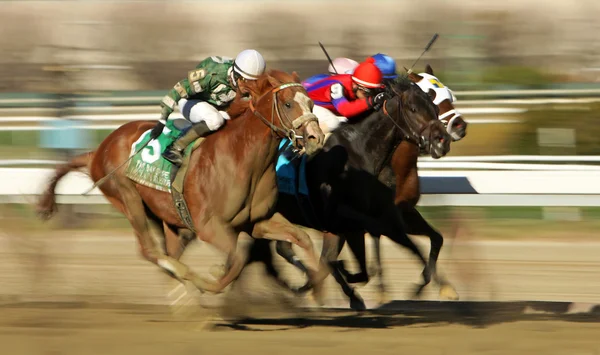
<point>405,182</point>
<point>347,196</point>
<point>407,189</point>
<point>401,175</point>
<point>230,186</point>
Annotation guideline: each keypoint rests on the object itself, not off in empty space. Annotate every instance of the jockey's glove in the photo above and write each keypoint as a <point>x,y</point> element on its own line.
<point>157,130</point>
<point>377,101</point>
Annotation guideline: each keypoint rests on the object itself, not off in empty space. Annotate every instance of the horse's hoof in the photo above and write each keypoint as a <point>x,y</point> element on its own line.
<point>357,304</point>
<point>447,292</point>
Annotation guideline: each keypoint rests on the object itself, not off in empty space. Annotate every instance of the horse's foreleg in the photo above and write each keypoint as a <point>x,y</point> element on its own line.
<point>260,251</point>
<point>332,246</point>
<point>378,272</point>
<point>280,229</point>
<point>222,236</point>
<point>416,225</point>
<point>356,243</point>
<point>397,233</point>
<point>284,249</point>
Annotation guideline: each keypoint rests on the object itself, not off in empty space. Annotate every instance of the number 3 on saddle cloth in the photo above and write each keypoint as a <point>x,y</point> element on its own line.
<point>148,167</point>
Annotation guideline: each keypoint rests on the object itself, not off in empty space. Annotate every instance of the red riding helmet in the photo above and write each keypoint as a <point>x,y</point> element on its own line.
<point>368,75</point>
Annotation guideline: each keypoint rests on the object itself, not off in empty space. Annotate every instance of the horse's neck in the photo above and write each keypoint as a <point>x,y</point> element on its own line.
<point>261,144</point>
<point>372,138</point>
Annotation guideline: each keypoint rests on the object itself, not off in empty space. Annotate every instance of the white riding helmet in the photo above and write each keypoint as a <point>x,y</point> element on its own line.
<point>343,66</point>
<point>249,64</point>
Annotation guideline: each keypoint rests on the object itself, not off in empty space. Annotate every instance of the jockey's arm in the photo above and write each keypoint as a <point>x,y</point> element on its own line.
<point>345,107</point>
<point>196,85</point>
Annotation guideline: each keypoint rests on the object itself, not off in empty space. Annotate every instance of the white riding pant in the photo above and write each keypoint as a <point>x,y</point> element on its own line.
<point>201,111</point>
<point>328,120</point>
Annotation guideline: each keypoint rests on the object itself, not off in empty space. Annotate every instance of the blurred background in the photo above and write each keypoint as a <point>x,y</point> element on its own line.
<point>526,74</point>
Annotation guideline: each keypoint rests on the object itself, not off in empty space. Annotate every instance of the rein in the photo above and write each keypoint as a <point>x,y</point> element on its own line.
<point>286,131</point>
<point>410,135</point>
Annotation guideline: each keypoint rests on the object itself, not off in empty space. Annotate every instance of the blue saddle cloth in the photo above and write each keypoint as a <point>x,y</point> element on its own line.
<point>291,171</point>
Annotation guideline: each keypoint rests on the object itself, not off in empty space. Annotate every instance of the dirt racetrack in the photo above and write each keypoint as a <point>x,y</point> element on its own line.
<point>79,329</point>
<point>92,294</point>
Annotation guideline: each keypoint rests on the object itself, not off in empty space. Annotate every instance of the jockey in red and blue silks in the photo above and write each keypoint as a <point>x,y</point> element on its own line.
<point>341,65</point>
<point>347,95</point>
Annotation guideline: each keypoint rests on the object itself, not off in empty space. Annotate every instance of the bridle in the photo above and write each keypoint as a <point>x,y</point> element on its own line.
<point>430,82</point>
<point>286,131</point>
<point>412,135</point>
<point>449,122</point>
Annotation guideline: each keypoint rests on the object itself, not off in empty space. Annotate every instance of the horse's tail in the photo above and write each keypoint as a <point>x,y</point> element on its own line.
<point>46,205</point>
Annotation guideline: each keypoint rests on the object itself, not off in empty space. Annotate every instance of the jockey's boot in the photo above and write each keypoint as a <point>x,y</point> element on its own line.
<point>174,152</point>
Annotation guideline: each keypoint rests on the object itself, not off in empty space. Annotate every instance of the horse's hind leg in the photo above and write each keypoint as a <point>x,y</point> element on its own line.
<point>145,226</point>
<point>177,240</point>
<point>415,224</point>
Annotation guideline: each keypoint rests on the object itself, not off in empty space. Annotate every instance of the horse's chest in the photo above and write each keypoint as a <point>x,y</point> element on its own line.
<point>264,196</point>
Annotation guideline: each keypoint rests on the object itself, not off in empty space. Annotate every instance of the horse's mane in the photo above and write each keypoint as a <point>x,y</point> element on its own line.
<point>403,84</point>
<point>241,102</point>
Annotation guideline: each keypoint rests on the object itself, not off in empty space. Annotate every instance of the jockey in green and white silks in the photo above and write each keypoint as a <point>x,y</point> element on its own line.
<point>204,96</point>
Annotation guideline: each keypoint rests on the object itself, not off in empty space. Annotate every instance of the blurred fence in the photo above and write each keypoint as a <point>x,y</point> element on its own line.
<point>439,188</point>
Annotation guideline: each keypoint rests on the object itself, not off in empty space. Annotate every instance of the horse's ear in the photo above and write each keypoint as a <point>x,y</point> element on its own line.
<point>296,77</point>
<point>415,78</point>
<point>428,69</point>
<point>274,82</point>
<point>431,94</point>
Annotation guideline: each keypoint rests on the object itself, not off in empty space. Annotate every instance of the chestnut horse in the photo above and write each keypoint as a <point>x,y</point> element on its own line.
<point>230,186</point>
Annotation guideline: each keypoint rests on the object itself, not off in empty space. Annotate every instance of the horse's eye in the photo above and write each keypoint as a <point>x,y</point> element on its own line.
<point>413,110</point>
<point>288,105</point>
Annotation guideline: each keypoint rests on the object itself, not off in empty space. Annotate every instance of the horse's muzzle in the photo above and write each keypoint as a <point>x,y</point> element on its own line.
<point>458,129</point>
<point>439,146</point>
<point>314,139</point>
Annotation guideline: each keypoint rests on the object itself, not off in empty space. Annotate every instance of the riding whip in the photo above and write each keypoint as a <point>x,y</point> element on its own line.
<point>433,39</point>
<point>101,181</point>
<point>328,57</point>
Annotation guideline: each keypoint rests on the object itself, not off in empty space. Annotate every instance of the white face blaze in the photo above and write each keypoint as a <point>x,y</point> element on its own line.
<point>303,101</point>
<point>305,104</point>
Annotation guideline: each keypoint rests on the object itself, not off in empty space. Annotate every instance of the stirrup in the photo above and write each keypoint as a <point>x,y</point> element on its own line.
<point>173,155</point>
